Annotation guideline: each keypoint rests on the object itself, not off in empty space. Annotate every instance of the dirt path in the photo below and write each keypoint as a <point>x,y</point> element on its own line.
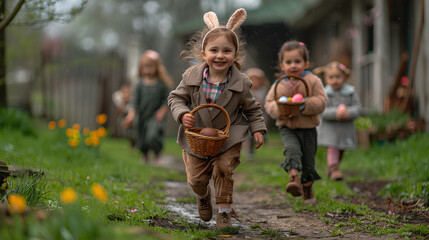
<point>263,213</point>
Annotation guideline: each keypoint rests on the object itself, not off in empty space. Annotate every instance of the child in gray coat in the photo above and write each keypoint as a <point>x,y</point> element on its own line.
<point>337,132</point>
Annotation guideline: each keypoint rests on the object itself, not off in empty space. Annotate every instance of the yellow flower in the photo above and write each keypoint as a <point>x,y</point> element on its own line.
<point>16,203</point>
<point>68,196</point>
<point>95,141</point>
<point>61,123</point>
<point>88,141</point>
<point>69,132</point>
<point>73,142</point>
<point>101,132</point>
<point>76,127</point>
<point>99,192</point>
<point>86,131</point>
<point>52,125</point>
<point>102,118</point>
<point>76,134</point>
<point>92,134</point>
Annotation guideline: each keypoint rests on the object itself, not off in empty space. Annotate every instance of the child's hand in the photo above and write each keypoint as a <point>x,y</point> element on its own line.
<point>188,120</point>
<point>342,113</point>
<point>259,138</point>
<point>127,122</point>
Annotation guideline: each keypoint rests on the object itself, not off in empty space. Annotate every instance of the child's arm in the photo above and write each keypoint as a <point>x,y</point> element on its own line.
<point>270,104</point>
<point>355,110</point>
<point>178,100</point>
<point>135,99</point>
<point>330,113</point>
<point>160,113</point>
<point>316,103</point>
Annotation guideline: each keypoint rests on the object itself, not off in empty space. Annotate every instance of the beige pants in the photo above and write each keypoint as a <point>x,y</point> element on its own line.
<point>200,171</point>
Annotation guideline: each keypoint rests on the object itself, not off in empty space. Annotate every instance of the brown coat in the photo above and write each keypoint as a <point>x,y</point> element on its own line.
<point>237,99</point>
<point>315,104</point>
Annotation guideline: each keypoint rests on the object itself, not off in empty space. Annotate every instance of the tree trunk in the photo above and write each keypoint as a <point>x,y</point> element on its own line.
<point>3,99</point>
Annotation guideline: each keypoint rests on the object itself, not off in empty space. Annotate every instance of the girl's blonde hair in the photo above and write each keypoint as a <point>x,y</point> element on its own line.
<point>321,71</point>
<point>193,47</point>
<point>161,71</point>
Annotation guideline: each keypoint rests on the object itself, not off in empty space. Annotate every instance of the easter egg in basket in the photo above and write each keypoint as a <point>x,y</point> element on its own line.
<point>210,132</point>
<point>297,98</point>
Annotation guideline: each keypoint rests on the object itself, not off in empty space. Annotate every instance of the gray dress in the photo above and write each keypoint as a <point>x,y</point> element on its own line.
<point>147,100</point>
<point>334,133</point>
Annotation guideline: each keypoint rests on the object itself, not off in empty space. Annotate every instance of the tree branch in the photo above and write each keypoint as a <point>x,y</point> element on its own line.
<point>11,15</point>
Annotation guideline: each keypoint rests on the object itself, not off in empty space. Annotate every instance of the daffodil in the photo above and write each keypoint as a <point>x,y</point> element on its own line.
<point>88,141</point>
<point>69,132</point>
<point>73,142</point>
<point>76,126</point>
<point>61,123</point>
<point>17,203</point>
<point>95,141</point>
<point>99,192</point>
<point>52,125</point>
<point>101,132</point>
<point>76,134</point>
<point>102,118</point>
<point>68,196</point>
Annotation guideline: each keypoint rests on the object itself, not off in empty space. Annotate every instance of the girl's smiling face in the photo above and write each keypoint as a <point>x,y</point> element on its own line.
<point>219,54</point>
<point>293,62</point>
<point>335,78</point>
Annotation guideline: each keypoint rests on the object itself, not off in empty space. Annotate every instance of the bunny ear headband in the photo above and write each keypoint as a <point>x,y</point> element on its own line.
<point>234,22</point>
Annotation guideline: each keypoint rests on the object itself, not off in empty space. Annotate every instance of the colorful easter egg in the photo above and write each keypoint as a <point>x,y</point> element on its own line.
<point>297,98</point>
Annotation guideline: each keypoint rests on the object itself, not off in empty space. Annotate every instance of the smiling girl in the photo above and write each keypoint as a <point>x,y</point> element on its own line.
<point>298,133</point>
<point>216,79</point>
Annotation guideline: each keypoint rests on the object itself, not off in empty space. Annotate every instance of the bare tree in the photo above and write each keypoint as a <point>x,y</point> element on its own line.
<point>28,13</point>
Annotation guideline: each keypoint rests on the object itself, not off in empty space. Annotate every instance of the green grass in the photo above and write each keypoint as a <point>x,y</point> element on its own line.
<point>113,165</point>
<point>405,162</point>
<point>128,182</point>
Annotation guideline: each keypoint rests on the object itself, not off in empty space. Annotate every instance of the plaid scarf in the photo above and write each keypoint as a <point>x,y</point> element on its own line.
<point>213,90</point>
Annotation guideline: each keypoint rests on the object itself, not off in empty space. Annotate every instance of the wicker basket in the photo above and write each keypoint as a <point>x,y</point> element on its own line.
<point>206,145</point>
<point>289,109</point>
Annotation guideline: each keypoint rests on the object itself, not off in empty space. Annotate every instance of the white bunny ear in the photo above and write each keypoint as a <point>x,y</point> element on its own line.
<point>211,20</point>
<point>236,19</point>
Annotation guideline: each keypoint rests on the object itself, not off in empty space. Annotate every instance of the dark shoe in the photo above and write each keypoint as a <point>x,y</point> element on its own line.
<point>294,186</point>
<point>223,220</point>
<point>308,196</point>
<point>205,209</point>
<point>335,173</point>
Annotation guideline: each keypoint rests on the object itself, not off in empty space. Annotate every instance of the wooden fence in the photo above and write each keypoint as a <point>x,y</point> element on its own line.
<point>78,89</point>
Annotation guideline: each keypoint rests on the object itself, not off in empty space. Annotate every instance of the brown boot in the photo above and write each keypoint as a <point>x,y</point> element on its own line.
<point>308,196</point>
<point>205,209</point>
<point>335,173</point>
<point>294,185</point>
<point>223,220</point>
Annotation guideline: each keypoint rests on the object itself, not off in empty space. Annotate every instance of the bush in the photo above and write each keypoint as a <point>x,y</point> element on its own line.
<point>15,119</point>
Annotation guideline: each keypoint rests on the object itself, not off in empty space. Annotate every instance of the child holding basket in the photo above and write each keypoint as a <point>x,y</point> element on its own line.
<point>298,132</point>
<point>216,79</point>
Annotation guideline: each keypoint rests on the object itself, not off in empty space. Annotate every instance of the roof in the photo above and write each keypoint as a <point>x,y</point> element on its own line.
<point>288,12</point>
<point>277,11</point>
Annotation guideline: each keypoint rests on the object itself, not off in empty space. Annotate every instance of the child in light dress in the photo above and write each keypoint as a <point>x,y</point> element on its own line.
<point>337,132</point>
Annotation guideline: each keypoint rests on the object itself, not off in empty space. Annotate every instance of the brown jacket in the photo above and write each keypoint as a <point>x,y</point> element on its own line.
<point>315,104</point>
<point>237,99</point>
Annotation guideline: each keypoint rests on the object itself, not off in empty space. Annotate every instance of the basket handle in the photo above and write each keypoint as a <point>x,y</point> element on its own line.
<point>289,76</point>
<point>225,114</point>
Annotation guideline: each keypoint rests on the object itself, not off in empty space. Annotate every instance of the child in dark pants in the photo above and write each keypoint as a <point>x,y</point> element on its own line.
<point>298,133</point>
